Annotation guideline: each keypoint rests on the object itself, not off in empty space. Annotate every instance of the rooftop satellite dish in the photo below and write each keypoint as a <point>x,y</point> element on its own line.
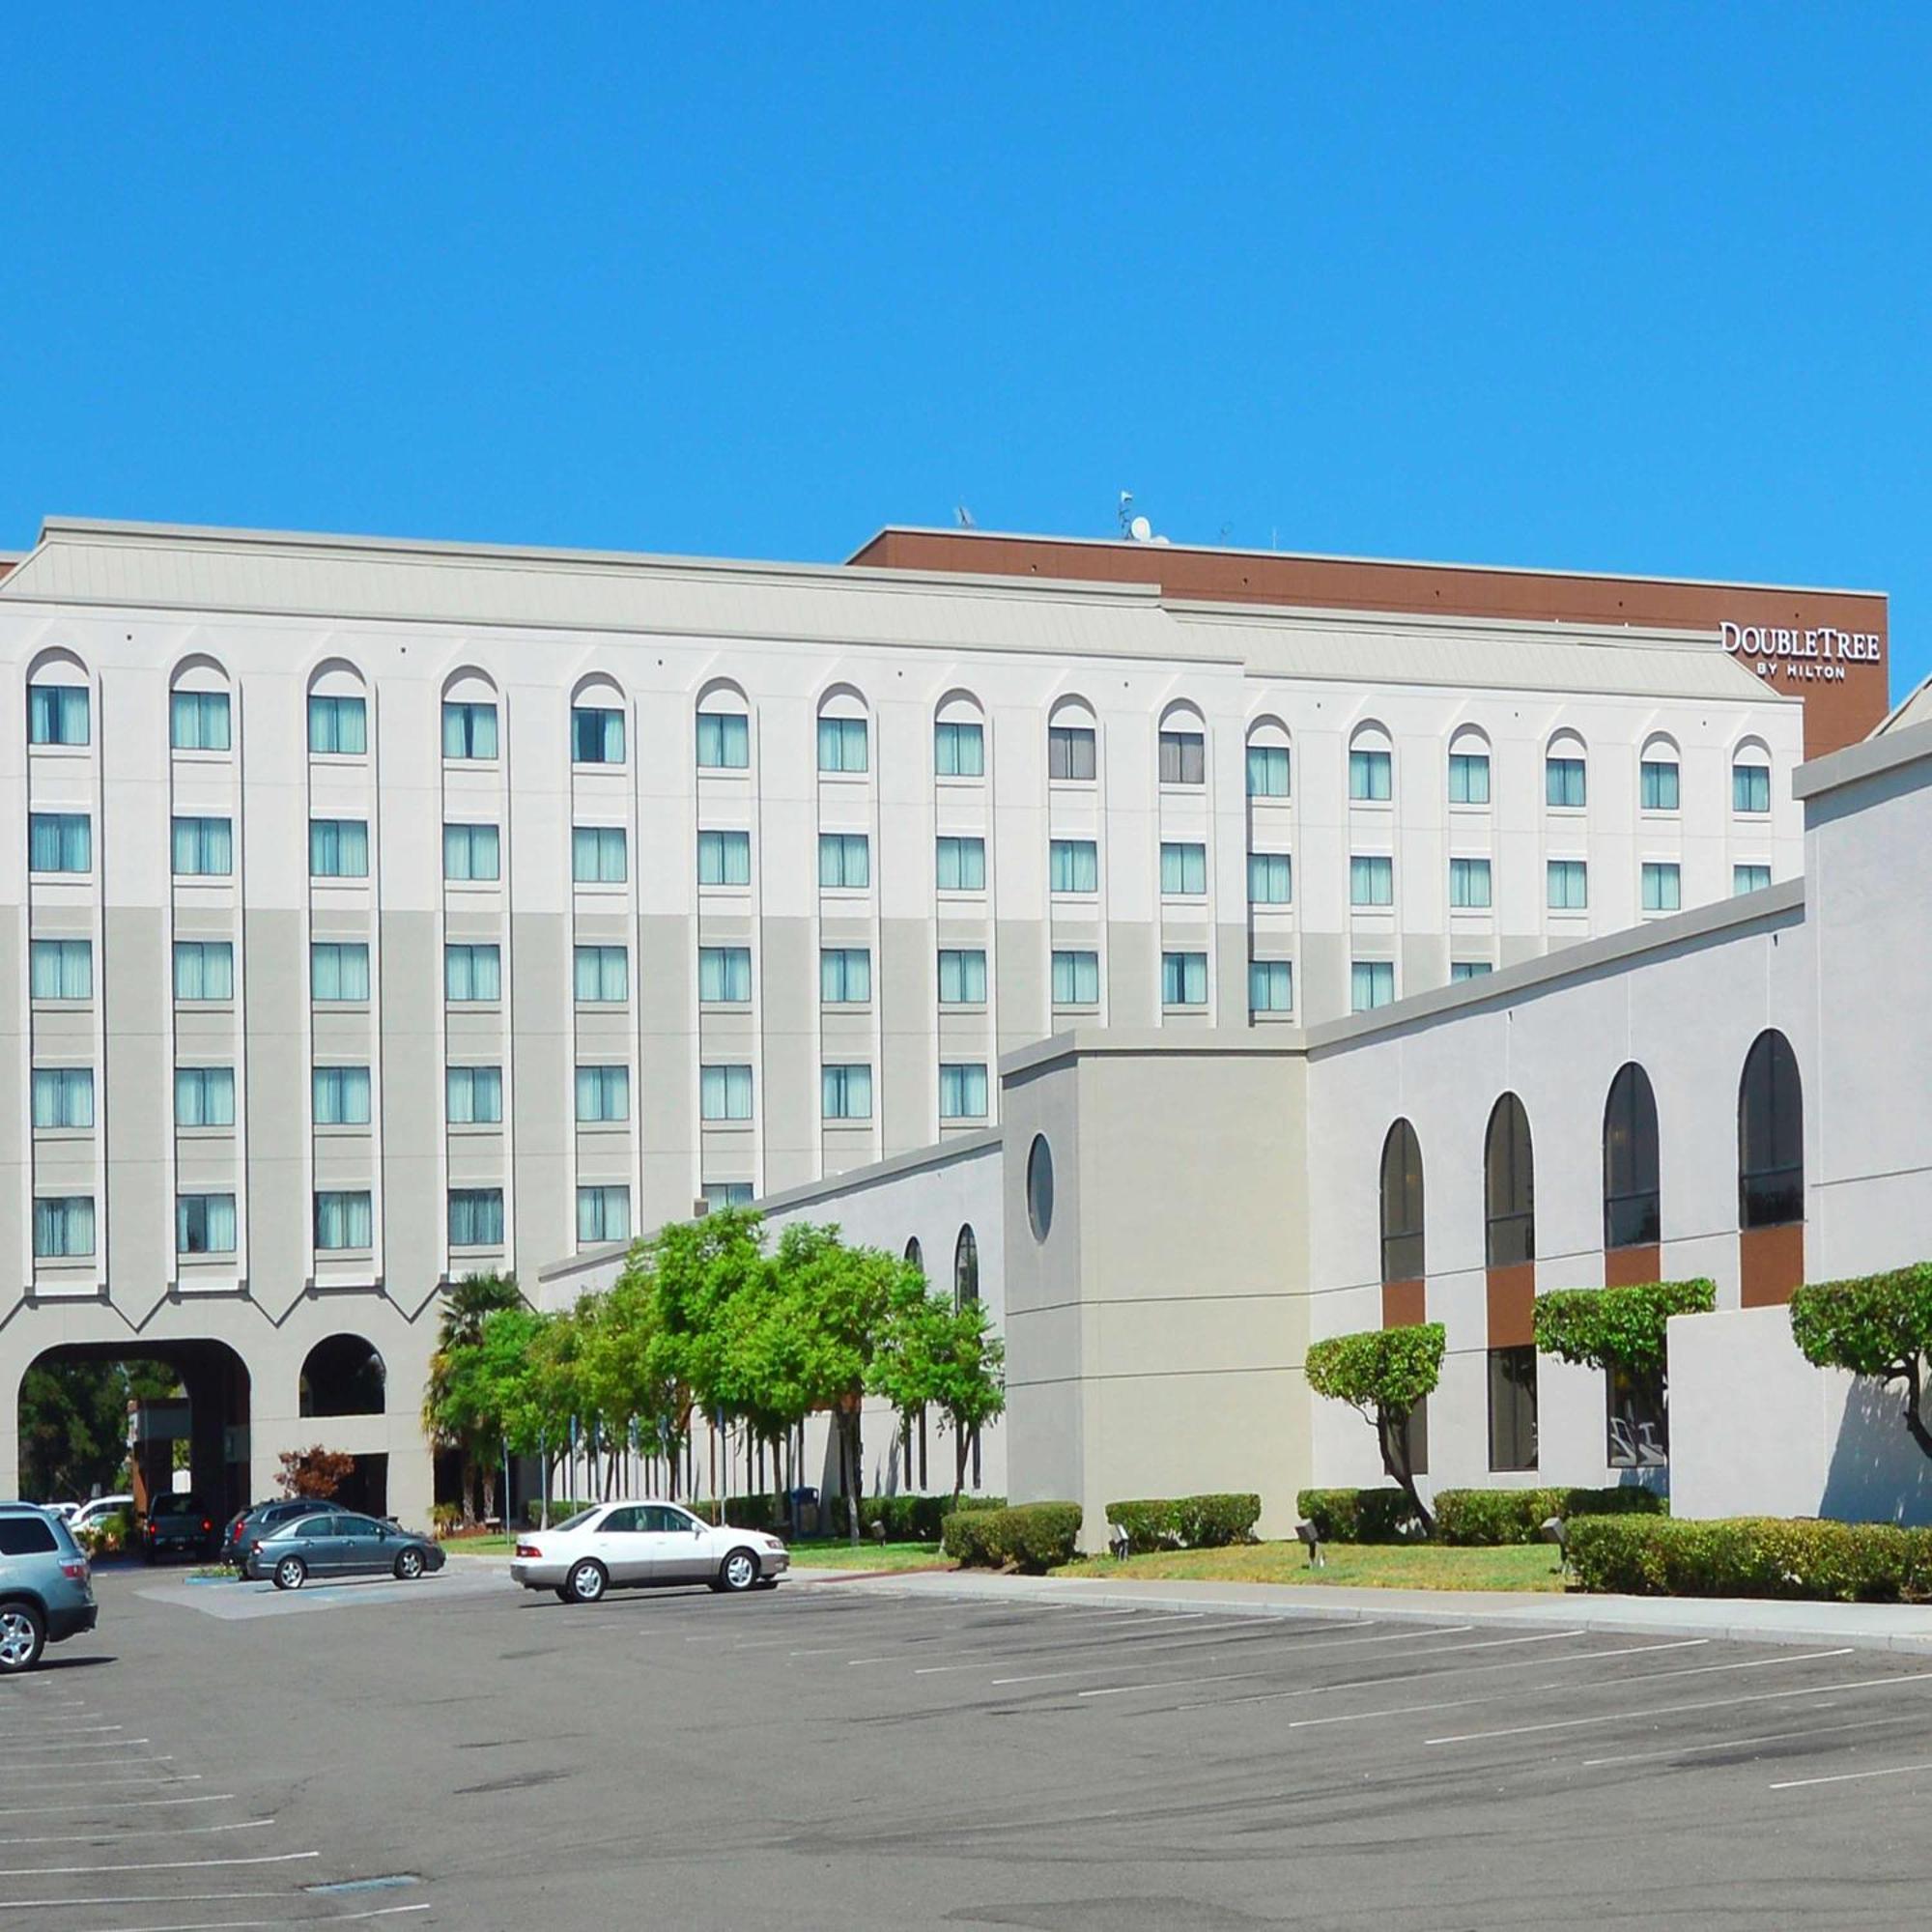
<point>1141,530</point>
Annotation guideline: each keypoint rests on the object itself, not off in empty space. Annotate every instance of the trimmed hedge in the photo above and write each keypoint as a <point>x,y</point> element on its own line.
<point>1752,1556</point>
<point>1032,1538</point>
<point>1358,1516</point>
<point>916,1518</point>
<point>1518,1516</point>
<point>560,1507</point>
<point>1186,1522</point>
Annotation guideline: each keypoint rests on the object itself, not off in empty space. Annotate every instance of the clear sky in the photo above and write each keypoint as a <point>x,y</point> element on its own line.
<point>1625,288</point>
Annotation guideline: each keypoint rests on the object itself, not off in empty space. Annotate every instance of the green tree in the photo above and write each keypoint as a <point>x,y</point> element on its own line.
<point>1383,1372</point>
<point>494,1397</point>
<point>73,1422</point>
<point>1878,1325</point>
<point>466,1305</point>
<point>939,1355</point>
<point>1621,1328</point>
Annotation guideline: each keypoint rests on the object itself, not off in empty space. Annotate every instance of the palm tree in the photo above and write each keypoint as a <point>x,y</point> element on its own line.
<point>466,1305</point>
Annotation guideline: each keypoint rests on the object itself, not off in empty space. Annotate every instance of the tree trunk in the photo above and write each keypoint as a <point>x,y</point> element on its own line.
<point>851,1468</point>
<point>958,1462</point>
<point>1915,1421</point>
<point>489,1474</point>
<point>468,1479</point>
<point>1392,1432</point>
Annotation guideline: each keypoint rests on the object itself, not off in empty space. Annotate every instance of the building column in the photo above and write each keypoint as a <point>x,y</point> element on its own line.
<point>10,1436</point>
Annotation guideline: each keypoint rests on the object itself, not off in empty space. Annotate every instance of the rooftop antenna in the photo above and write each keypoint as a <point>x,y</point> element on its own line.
<point>1126,507</point>
<point>963,517</point>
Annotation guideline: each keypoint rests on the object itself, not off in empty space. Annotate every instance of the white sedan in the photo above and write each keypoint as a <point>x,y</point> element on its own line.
<point>634,1545</point>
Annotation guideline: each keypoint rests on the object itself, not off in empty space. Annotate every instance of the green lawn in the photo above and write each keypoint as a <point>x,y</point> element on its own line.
<point>1398,1566</point>
<point>835,1555</point>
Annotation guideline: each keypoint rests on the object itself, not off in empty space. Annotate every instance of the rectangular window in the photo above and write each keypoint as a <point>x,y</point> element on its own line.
<point>1748,879</point>
<point>724,1093</point>
<point>339,969</point>
<point>1512,1409</point>
<point>1662,888</point>
<point>962,1090</point>
<point>961,865</point>
<point>472,852</point>
<point>1468,969</point>
<point>727,1194</point>
<point>198,721</point>
<point>844,974</point>
<point>1469,884</point>
<point>344,1220</point>
<point>962,977</point>
<point>1563,783</point>
<point>1184,870</point>
<point>338,725</point>
<point>475,1217</point>
<point>1270,879</point>
<point>602,1214</point>
<point>723,741</point>
<point>338,848</point>
<point>597,856</point>
<point>469,730</point>
<point>57,714</point>
<point>1568,883</point>
<point>724,857</point>
<point>1658,785</point>
<point>1635,1428</point>
<point>1069,751</point>
<point>1183,979</point>
<point>1370,777</point>
<point>203,1224</point>
<point>1371,984</point>
<point>472,972</point>
<point>204,848</point>
<point>1468,778</point>
<point>63,1226</point>
<point>1270,986</point>
<point>1267,771</point>
<point>1076,979</point>
<point>1371,881</point>
<point>603,975</point>
<point>63,969</point>
<point>841,745</point>
<point>63,1096</point>
<point>1073,866</point>
<point>724,975</point>
<point>596,735</point>
<point>1183,758</point>
<point>59,841</point>
<point>203,968</point>
<point>1750,788</point>
<point>845,1092</point>
<point>959,750</point>
<point>341,1097</point>
<point>603,1093</point>
<point>473,1095</point>
<point>844,860</point>
<point>203,1096</point>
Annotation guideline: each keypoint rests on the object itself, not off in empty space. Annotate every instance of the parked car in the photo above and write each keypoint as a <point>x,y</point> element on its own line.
<point>46,1590</point>
<point>91,1514</point>
<point>251,1524</point>
<point>338,1544</point>
<point>65,1511</point>
<point>177,1522</point>
<point>642,1545</point>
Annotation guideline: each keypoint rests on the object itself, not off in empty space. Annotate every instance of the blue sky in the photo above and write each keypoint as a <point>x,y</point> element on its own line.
<point>1619,288</point>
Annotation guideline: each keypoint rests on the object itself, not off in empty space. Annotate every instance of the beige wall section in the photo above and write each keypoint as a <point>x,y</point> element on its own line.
<point>784,1101</point>
<point>410,1082</point>
<point>540,1075</point>
<point>905,992</point>
<point>276,1172</point>
<point>665,1106</point>
<point>138,1104</point>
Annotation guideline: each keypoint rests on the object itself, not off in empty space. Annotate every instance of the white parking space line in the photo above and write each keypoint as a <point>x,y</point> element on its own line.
<point>117,1777</point>
<point>119,1836</point>
<point>104,1744</point>
<point>159,1864</point>
<point>267,1924</point>
<point>1741,1744</point>
<point>112,1803</point>
<point>1850,1777</point>
<point>142,1898</point>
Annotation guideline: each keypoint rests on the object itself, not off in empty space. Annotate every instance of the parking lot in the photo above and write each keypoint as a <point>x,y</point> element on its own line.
<point>458,1752</point>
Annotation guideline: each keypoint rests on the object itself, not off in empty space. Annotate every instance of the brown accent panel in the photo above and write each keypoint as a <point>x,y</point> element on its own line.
<point>1403,1304</point>
<point>1627,1268</point>
<point>1770,1264</point>
<point>1511,1298</point>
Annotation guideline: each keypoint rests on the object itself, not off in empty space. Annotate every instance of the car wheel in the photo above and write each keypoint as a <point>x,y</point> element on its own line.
<point>23,1636</point>
<point>562,1595</point>
<point>738,1572</point>
<point>409,1566</point>
<point>586,1582</point>
<point>291,1574</point>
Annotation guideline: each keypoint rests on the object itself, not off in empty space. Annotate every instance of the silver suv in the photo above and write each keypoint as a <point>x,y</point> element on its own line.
<point>46,1593</point>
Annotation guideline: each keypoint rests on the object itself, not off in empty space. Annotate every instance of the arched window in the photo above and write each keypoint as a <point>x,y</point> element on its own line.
<point>338,711</point>
<point>724,729</point>
<point>966,1269</point>
<point>1267,758</point>
<point>470,724</point>
<point>844,743</point>
<point>1630,1214</point>
<point>1566,773</point>
<point>1072,743</point>
<point>1371,766</point>
<point>1509,1187</point>
<point>1750,777</point>
<point>916,1254</point>
<point>1183,747</point>
<point>1657,776</point>
<point>342,1374</point>
<point>1468,767</point>
<point>1770,1135</point>
<point>597,710</point>
<point>1402,1205</point>
<point>960,737</point>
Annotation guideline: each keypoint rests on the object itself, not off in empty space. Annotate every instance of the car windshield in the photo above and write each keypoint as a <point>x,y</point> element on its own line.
<point>176,1506</point>
<point>578,1520</point>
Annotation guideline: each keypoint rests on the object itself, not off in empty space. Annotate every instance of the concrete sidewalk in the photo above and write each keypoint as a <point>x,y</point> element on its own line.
<point>1895,1627</point>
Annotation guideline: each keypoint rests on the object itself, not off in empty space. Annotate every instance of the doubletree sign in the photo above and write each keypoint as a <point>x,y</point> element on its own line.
<point>1820,654</point>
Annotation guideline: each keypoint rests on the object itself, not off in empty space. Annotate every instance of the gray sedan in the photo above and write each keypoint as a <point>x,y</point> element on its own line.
<point>341,1545</point>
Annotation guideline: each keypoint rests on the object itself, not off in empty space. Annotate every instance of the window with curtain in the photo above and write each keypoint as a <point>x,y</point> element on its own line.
<point>472,852</point>
<point>1183,758</point>
<point>727,1194</point>
<point>1770,1135</point>
<point>1371,984</point>
<point>203,1224</point>
<point>602,973</point>
<point>59,841</point>
<point>1468,969</point>
<point>63,1096</point>
<point>1631,1215</point>
<point>845,1092</point>
<point>1748,879</point>
<point>1661,888</point>
<point>962,1090</point>
<point>338,848</point>
<point>603,1093</point>
<point>338,725</point>
<point>338,969</point>
<point>597,855</point>
<point>62,969</point>
<point>1564,784</point>
<point>596,735</point>
<point>198,721</point>
<point>475,1217</point>
<point>723,741</point>
<point>724,857</point>
<point>1567,885</point>
<point>1371,881</point>
<point>1267,771</point>
<point>472,972</point>
<point>1512,1409</point>
<point>1468,778</point>
<point>1750,788</point>
<point>959,750</point>
<point>844,974</point>
<point>1076,979</point>
<point>1183,868</point>
<point>1071,753</point>
<point>961,865</point>
<point>1270,879</point>
<point>340,1096</point>
<point>203,1096</point>
<point>724,975</point>
<point>844,860</point>
<point>1657,784</point>
<point>469,728</point>
<point>1183,979</point>
<point>1402,1203</point>
<point>724,1093</point>
<point>63,1226</point>
<point>344,1219</point>
<point>841,745</point>
<point>203,848</point>
<point>602,1214</point>
<point>473,1095</point>
<point>965,1268</point>
<point>1469,884</point>
<point>203,968</point>
<point>1073,866</point>
<point>962,976</point>
<point>1270,986</point>
<point>1509,1187</point>
<point>1370,777</point>
<point>57,714</point>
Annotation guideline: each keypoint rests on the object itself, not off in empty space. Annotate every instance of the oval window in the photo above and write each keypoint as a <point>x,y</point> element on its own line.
<point>1039,1188</point>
